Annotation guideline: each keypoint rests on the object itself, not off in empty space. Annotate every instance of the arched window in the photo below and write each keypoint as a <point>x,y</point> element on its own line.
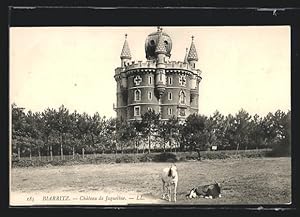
<point>150,79</point>
<point>150,95</point>
<point>170,96</point>
<point>170,81</point>
<point>137,95</point>
<point>182,97</point>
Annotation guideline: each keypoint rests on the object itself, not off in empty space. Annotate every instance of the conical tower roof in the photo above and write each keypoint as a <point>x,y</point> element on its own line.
<point>160,48</point>
<point>193,52</point>
<point>125,54</point>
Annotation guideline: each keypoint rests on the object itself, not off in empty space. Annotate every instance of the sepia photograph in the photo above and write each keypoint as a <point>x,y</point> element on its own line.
<point>150,115</point>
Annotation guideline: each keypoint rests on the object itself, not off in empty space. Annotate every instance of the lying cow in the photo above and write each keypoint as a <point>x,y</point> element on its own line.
<point>207,191</point>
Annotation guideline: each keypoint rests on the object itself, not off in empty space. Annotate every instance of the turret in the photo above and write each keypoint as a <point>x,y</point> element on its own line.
<point>160,76</point>
<point>125,54</point>
<point>192,57</point>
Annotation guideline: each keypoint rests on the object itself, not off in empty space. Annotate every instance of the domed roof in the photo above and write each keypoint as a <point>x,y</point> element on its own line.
<point>152,41</point>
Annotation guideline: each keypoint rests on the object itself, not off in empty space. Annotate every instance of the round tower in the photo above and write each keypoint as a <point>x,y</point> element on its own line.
<point>170,88</point>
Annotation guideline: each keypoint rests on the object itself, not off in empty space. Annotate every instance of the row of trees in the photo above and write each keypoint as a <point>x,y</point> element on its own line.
<point>59,132</point>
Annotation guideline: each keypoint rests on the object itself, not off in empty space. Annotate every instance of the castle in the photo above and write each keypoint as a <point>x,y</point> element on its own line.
<point>170,88</point>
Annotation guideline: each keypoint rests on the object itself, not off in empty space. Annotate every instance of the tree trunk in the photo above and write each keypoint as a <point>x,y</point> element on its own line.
<point>237,148</point>
<point>134,150</point>
<point>73,152</point>
<point>116,150</point>
<point>19,153</point>
<point>199,155</point>
<point>83,153</point>
<point>61,148</point>
<point>51,153</point>
<point>39,152</point>
<point>149,143</point>
<point>30,153</point>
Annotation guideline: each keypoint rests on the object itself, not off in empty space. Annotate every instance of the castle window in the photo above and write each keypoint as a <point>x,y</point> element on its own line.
<point>150,95</point>
<point>137,111</point>
<point>170,111</point>
<point>182,97</point>
<point>150,79</point>
<point>170,80</point>
<point>150,109</point>
<point>137,95</point>
<point>170,96</point>
<point>137,80</point>
<point>182,80</point>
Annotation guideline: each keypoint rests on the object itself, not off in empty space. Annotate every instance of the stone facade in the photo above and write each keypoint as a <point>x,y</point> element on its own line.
<point>170,88</point>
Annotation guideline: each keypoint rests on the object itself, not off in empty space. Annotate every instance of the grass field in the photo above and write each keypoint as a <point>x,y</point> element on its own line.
<point>246,181</point>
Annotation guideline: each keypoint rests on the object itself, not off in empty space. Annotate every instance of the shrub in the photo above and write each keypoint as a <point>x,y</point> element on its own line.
<point>125,159</point>
<point>165,157</point>
<point>146,158</point>
<point>280,150</point>
<point>215,155</point>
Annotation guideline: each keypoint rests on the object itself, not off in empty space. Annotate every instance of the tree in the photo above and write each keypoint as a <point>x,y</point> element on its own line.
<point>242,125</point>
<point>282,140</point>
<point>256,132</point>
<point>84,126</point>
<point>74,135</point>
<point>269,129</point>
<point>194,133</point>
<point>135,132</point>
<point>63,124</point>
<point>33,132</point>
<point>18,128</point>
<point>150,122</point>
<point>215,129</point>
<point>50,130</point>
<point>168,131</point>
<point>122,134</point>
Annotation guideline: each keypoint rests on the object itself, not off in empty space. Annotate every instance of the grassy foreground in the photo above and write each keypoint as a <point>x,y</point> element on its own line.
<point>246,180</point>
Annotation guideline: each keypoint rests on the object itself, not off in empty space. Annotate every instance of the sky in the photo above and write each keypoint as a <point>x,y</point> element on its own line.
<point>242,67</point>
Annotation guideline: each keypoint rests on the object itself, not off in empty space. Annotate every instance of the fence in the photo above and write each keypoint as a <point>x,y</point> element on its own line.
<point>93,156</point>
